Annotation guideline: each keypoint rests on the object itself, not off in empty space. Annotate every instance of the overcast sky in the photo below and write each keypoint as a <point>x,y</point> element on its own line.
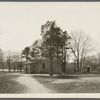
<point>20,23</point>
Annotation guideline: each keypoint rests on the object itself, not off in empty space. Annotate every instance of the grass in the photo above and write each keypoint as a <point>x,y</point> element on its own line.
<point>71,84</point>
<point>8,85</point>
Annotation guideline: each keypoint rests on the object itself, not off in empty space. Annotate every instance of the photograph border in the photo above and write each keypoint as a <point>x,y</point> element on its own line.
<point>58,96</point>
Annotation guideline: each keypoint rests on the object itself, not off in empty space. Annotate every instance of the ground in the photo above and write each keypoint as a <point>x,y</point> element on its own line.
<point>34,83</point>
<point>33,86</point>
<point>8,83</point>
<point>83,83</point>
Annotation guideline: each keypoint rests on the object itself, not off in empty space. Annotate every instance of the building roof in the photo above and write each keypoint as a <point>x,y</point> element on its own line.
<point>38,60</point>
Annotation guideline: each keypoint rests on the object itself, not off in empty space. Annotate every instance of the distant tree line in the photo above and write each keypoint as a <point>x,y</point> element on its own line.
<point>10,61</point>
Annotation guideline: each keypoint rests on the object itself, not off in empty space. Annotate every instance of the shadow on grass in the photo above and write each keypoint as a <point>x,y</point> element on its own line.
<point>68,84</point>
<point>56,77</point>
<point>49,82</point>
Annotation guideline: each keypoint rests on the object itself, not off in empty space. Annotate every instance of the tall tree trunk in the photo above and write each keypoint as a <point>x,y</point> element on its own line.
<point>21,67</point>
<point>78,62</point>
<point>51,62</point>
<point>51,67</point>
<point>64,67</point>
<point>14,67</point>
<point>78,69</point>
<point>2,67</point>
<point>57,53</point>
<point>9,67</point>
<point>81,64</point>
<point>17,68</point>
<point>62,60</point>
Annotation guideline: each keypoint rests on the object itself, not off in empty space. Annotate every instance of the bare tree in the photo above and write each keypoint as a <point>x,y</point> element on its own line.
<point>9,63</point>
<point>98,56</point>
<point>2,59</point>
<point>81,45</point>
<point>15,60</point>
<point>93,61</point>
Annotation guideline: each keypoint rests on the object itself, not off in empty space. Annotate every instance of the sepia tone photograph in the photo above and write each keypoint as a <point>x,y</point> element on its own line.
<point>49,48</point>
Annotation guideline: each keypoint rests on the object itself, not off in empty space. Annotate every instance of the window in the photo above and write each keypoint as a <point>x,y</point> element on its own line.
<point>43,65</point>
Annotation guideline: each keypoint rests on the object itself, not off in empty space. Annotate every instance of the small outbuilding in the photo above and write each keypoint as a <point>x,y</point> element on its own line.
<point>87,69</point>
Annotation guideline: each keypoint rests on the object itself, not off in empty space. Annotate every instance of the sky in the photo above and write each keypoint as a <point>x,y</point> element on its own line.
<point>20,22</point>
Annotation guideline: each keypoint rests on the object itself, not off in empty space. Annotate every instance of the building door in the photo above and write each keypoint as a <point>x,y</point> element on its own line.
<point>88,69</point>
<point>43,65</point>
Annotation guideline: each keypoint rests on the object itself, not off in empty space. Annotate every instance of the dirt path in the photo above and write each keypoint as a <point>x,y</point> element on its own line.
<point>32,84</point>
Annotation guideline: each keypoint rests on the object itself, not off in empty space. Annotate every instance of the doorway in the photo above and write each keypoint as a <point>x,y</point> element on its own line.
<point>88,69</point>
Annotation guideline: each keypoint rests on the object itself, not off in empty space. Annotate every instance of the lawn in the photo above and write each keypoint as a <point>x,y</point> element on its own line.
<point>9,85</point>
<point>71,84</point>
